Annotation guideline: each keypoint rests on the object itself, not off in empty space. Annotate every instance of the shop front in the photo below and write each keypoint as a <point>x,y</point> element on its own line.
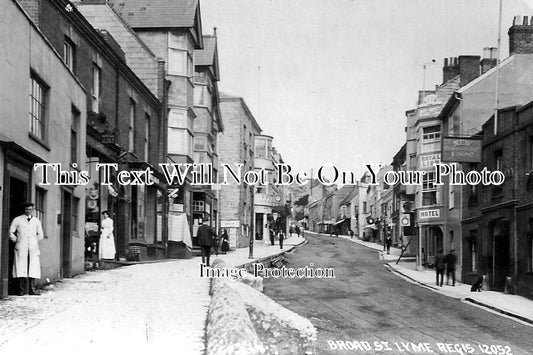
<point>430,235</point>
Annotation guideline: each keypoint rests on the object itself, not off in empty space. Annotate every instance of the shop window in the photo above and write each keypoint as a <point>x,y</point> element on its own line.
<point>198,206</point>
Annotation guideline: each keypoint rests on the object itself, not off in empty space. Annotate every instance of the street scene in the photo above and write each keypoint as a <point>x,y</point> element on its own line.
<point>368,303</point>
<point>266,176</point>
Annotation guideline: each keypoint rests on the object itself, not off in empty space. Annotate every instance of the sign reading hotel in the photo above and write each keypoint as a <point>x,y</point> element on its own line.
<point>461,150</point>
<point>427,214</point>
<point>429,160</point>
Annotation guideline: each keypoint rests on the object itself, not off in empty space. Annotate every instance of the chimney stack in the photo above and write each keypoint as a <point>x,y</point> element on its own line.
<point>490,59</point>
<point>468,68</point>
<point>450,69</point>
<point>521,36</point>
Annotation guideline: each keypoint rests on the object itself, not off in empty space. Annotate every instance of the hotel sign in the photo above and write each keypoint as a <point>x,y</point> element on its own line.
<point>429,214</point>
<point>461,150</point>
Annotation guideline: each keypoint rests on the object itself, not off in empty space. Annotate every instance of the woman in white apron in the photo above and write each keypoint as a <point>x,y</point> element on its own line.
<point>106,246</point>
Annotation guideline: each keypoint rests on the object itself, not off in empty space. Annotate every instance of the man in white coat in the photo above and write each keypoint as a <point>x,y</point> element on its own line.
<point>26,231</point>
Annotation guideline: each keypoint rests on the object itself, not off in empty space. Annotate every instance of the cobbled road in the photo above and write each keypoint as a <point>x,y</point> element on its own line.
<point>366,309</point>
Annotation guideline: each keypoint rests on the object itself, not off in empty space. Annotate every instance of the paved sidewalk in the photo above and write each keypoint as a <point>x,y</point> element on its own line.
<point>517,307</point>
<point>132,309</point>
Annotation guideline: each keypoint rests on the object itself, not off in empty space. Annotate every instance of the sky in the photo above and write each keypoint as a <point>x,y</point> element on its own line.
<point>331,80</point>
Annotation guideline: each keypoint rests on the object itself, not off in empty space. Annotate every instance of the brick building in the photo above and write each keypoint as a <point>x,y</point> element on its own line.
<point>236,146</point>
<point>123,128</point>
<point>51,129</point>
<point>498,220</point>
<point>469,108</point>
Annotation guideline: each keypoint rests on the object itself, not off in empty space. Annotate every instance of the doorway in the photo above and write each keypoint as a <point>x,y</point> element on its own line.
<point>66,233</point>
<point>500,254</point>
<point>16,193</point>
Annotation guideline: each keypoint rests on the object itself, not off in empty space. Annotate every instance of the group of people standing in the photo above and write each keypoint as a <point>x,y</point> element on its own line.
<point>208,238</point>
<point>446,263</point>
<point>26,232</point>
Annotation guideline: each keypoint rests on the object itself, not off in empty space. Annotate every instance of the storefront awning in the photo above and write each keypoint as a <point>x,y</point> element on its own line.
<point>340,221</point>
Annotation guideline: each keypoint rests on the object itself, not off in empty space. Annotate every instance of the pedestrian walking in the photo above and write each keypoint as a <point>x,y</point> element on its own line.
<point>106,244</point>
<point>291,230</point>
<point>451,260</point>
<point>206,239</point>
<point>26,231</point>
<point>225,242</point>
<point>216,246</point>
<point>281,236</point>
<point>439,267</point>
<point>388,243</point>
<point>351,234</point>
<point>297,230</point>
<point>272,236</point>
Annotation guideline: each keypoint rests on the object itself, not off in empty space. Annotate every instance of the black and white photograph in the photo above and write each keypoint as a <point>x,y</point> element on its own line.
<point>266,177</point>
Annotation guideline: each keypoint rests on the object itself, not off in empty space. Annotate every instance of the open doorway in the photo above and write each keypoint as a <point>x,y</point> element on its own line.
<point>17,194</point>
<point>500,254</point>
<point>66,233</point>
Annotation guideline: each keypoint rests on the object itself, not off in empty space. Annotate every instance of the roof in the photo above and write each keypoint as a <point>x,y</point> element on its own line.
<point>206,56</point>
<point>454,100</point>
<point>349,197</point>
<point>157,13</point>
<point>488,73</point>
<point>226,98</point>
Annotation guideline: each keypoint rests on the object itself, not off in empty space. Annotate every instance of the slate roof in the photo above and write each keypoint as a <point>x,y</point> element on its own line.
<point>206,56</point>
<point>157,13</point>
<point>350,196</point>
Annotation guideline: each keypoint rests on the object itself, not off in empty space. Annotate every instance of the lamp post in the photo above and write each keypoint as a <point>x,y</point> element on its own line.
<point>252,221</point>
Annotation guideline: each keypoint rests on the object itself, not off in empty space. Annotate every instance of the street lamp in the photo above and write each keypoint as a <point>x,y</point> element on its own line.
<point>252,221</point>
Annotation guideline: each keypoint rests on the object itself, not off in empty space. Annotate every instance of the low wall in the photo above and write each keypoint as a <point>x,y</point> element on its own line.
<point>243,320</point>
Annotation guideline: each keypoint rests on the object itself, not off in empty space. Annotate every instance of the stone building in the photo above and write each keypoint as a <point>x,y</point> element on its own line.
<point>207,126</point>
<point>236,149</point>
<point>43,120</point>
<point>172,30</point>
<point>123,128</point>
<point>265,198</point>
